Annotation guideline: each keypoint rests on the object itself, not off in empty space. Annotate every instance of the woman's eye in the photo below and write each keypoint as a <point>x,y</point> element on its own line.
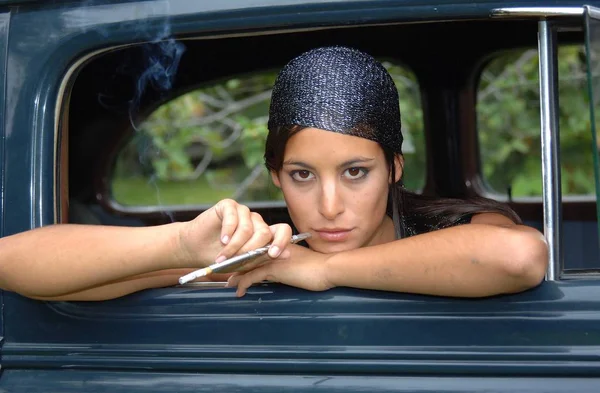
<point>355,173</point>
<point>302,175</point>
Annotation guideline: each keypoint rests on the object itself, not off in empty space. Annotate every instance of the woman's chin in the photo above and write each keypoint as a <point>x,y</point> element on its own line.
<point>333,247</point>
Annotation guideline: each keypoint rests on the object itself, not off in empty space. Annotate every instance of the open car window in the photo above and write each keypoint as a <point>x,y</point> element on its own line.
<point>208,144</point>
<point>592,45</point>
<point>508,124</point>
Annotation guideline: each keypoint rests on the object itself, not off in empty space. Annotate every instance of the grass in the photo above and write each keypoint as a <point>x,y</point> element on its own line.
<point>137,191</point>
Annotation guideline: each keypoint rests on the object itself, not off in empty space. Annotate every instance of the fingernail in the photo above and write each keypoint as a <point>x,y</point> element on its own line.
<point>220,259</point>
<point>273,251</point>
<point>225,239</point>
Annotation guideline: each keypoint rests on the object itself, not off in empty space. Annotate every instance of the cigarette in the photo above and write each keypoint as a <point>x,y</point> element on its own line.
<point>237,260</point>
<point>195,274</point>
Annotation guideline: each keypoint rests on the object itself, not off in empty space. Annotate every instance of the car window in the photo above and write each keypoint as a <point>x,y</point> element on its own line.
<point>592,46</point>
<point>208,144</point>
<point>508,122</point>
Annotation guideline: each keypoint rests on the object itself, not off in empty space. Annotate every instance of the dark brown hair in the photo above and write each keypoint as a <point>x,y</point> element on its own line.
<point>411,213</point>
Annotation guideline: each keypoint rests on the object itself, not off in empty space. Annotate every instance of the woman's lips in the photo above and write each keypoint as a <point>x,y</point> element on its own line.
<point>335,235</point>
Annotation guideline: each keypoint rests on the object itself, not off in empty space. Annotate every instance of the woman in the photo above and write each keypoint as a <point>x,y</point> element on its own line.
<point>334,149</point>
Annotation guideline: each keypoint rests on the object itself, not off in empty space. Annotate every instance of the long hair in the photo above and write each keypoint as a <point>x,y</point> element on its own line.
<point>411,213</point>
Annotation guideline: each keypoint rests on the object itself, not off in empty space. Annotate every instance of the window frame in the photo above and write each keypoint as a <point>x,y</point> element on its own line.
<point>550,23</point>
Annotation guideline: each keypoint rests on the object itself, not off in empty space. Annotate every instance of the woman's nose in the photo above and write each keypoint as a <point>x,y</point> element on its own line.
<point>331,204</point>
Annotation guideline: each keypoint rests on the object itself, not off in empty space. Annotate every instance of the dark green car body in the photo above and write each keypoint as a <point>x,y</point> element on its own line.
<point>205,339</point>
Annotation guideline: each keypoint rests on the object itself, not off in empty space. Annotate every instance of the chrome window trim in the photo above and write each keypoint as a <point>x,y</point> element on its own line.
<point>549,122</point>
<point>536,12</point>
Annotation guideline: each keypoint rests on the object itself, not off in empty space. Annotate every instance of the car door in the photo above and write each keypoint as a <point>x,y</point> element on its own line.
<point>201,337</point>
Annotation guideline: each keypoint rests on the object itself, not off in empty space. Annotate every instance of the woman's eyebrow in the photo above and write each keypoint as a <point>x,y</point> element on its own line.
<point>352,161</point>
<point>298,163</point>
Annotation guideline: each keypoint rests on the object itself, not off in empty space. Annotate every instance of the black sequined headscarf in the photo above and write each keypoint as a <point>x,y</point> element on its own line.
<point>338,89</point>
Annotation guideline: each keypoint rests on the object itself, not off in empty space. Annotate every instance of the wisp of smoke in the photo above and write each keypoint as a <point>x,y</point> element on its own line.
<point>162,58</point>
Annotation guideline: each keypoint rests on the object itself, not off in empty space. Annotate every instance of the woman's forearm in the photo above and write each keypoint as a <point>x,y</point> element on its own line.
<point>122,287</point>
<point>468,260</point>
<point>128,285</point>
<point>63,259</point>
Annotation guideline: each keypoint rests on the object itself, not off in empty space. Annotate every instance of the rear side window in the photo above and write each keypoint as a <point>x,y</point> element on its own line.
<point>508,121</point>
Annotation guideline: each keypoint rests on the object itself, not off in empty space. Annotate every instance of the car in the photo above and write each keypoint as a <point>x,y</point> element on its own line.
<point>139,113</point>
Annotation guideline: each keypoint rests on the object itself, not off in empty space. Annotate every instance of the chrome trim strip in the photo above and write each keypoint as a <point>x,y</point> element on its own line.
<point>205,284</point>
<point>526,365</point>
<point>550,147</point>
<point>593,12</point>
<point>536,12</point>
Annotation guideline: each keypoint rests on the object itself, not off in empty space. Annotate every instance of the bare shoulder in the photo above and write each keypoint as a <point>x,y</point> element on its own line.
<point>492,219</point>
<point>502,221</point>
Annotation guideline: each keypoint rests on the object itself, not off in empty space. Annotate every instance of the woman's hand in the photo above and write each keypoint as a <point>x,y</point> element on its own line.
<point>303,268</point>
<point>227,229</point>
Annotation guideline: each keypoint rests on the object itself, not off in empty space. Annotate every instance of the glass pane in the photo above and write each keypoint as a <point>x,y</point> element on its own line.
<point>508,116</point>
<point>208,145</point>
<point>592,44</point>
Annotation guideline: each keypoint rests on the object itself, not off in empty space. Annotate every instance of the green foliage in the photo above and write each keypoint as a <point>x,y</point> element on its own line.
<point>138,191</point>
<point>226,124</point>
<point>509,124</point>
<point>209,143</point>
<point>412,126</point>
<point>253,139</point>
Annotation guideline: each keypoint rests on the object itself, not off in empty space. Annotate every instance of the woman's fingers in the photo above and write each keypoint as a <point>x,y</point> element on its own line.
<point>243,281</point>
<point>243,230</point>
<point>240,235</point>
<point>251,233</point>
<point>260,261</point>
<point>261,236</point>
<point>227,211</point>
<point>282,233</point>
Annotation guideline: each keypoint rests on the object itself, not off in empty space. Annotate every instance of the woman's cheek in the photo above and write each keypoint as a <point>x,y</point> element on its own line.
<point>372,204</point>
<point>299,206</point>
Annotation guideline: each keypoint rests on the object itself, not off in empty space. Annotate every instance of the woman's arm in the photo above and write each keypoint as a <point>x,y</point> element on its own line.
<point>65,259</point>
<point>126,286</point>
<point>490,256</point>
<point>487,257</point>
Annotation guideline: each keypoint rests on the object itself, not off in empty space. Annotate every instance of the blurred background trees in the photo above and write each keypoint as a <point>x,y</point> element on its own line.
<point>508,124</point>
<point>208,144</point>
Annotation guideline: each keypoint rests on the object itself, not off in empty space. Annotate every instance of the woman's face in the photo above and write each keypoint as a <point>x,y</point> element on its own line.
<point>336,187</point>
